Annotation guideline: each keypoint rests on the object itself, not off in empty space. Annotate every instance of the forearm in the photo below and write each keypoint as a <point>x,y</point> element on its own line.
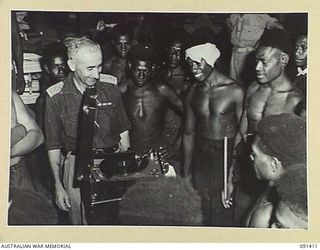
<point>55,164</point>
<point>32,140</point>
<point>187,153</point>
<point>177,143</point>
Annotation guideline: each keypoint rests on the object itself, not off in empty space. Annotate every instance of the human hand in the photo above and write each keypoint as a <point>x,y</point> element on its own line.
<point>167,151</point>
<point>62,199</point>
<point>15,160</point>
<point>227,200</point>
<point>101,26</point>
<point>21,84</point>
<point>186,176</point>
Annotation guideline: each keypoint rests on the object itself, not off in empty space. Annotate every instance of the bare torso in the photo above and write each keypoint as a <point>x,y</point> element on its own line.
<point>146,108</point>
<point>215,108</point>
<point>119,68</point>
<point>176,78</point>
<point>262,101</point>
<point>13,115</point>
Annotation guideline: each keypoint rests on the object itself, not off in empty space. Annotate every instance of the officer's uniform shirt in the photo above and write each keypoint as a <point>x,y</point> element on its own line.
<point>62,109</point>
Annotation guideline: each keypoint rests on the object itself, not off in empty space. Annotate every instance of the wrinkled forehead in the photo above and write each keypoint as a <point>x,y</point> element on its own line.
<point>302,40</point>
<point>123,38</point>
<point>175,44</point>
<point>85,54</point>
<point>141,64</point>
<point>268,53</point>
<point>191,61</point>
<point>58,59</point>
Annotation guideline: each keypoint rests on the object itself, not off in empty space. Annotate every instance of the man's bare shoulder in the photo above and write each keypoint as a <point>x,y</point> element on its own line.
<point>253,87</point>
<point>187,97</point>
<point>295,96</point>
<point>163,87</point>
<point>232,87</point>
<point>295,93</point>
<point>261,216</point>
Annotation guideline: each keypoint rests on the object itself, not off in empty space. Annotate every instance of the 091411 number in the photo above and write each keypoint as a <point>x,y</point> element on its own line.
<point>310,245</point>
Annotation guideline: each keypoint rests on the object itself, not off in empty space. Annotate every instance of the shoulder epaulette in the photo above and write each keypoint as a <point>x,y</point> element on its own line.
<point>108,78</point>
<point>54,89</point>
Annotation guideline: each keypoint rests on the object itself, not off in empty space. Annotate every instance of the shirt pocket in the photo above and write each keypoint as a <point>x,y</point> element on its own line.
<point>252,32</point>
<point>69,123</point>
<point>107,120</point>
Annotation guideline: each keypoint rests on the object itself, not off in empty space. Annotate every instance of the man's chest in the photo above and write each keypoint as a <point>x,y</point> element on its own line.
<point>264,103</point>
<point>143,105</point>
<point>211,102</point>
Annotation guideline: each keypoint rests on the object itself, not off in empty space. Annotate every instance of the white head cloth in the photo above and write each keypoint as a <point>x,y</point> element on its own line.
<point>208,52</point>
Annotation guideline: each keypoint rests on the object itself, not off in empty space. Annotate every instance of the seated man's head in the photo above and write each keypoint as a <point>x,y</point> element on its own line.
<point>142,64</point>
<point>201,59</point>
<point>122,40</point>
<point>292,209</point>
<point>54,61</point>
<point>280,141</point>
<point>301,50</point>
<point>85,60</point>
<point>273,55</point>
<point>163,201</point>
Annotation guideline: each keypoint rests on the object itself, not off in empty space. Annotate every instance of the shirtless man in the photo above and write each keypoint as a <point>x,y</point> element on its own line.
<point>118,64</point>
<point>174,75</point>
<point>278,150</point>
<point>25,137</point>
<point>25,133</point>
<point>271,94</point>
<point>292,209</point>
<point>213,109</point>
<point>146,101</point>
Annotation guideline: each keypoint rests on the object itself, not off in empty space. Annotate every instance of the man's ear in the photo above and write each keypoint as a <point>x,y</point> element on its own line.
<point>71,65</point>
<point>130,64</point>
<point>284,59</point>
<point>276,166</point>
<point>46,68</point>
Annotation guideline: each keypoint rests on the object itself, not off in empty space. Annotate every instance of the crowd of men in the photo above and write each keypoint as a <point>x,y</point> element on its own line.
<point>183,103</point>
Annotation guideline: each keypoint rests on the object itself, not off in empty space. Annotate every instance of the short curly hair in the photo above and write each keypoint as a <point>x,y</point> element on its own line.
<point>292,189</point>
<point>165,201</point>
<point>284,137</point>
<point>277,38</point>
<point>54,49</point>
<point>122,29</point>
<point>143,52</point>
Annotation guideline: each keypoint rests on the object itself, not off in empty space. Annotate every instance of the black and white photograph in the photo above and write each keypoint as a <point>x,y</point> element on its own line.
<point>170,119</point>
